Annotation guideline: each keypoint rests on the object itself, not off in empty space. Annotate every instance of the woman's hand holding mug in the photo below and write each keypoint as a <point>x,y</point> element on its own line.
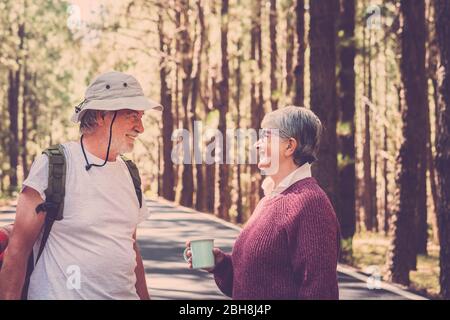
<point>204,254</point>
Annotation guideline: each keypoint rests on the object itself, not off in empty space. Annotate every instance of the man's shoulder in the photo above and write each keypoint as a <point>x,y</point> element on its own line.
<point>70,149</point>
<point>41,161</point>
<point>66,147</point>
<point>69,146</point>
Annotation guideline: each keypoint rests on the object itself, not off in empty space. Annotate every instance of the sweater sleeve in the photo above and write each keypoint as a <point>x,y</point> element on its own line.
<point>223,275</point>
<point>312,236</point>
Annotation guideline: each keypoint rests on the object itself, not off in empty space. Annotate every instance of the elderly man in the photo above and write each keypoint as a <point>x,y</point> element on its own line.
<point>92,252</point>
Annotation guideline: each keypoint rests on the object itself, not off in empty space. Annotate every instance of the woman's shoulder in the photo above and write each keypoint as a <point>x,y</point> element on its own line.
<point>303,197</point>
<point>305,190</point>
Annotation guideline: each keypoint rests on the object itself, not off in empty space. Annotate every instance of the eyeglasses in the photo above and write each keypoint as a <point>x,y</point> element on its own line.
<point>268,132</point>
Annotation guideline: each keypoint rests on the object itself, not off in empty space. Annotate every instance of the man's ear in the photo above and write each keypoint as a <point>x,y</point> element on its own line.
<point>291,147</point>
<point>100,118</point>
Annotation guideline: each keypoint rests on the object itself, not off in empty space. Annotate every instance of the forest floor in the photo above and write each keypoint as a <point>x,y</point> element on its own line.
<point>370,250</point>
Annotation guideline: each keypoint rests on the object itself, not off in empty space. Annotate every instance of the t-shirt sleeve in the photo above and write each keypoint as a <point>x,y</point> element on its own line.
<point>144,212</point>
<point>38,175</point>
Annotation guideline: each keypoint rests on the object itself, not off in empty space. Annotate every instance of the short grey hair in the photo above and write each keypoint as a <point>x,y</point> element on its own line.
<point>88,122</point>
<point>300,124</point>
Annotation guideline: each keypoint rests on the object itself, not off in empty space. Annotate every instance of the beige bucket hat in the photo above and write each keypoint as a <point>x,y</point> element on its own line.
<point>112,91</point>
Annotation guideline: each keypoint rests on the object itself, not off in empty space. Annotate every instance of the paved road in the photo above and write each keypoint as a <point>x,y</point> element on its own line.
<point>162,238</point>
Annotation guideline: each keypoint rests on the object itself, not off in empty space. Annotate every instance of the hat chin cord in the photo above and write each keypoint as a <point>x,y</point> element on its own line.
<point>90,165</point>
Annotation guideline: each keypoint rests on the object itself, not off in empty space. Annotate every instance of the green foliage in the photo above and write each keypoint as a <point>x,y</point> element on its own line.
<point>212,119</point>
<point>343,161</point>
<point>344,128</point>
<point>44,65</point>
<point>346,255</point>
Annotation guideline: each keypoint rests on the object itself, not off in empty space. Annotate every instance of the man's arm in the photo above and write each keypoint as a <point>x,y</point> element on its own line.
<point>5,233</point>
<point>27,227</point>
<point>7,229</point>
<point>141,283</point>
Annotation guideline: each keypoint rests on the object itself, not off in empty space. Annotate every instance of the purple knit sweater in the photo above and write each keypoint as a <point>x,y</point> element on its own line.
<point>287,250</point>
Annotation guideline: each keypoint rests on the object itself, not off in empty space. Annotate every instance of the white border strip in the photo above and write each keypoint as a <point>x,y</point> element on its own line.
<point>340,268</point>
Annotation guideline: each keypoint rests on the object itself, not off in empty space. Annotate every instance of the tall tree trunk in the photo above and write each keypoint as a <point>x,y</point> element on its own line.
<point>386,208</point>
<point>274,96</point>
<point>177,5</point>
<point>260,91</point>
<point>374,182</point>
<point>158,174</point>
<point>176,85</point>
<point>200,194</point>
<point>239,205</point>
<point>238,80</point>
<point>168,187</point>
<point>34,109</point>
<point>25,106</point>
<point>256,102</point>
<point>404,245</point>
<point>346,210</point>
<point>299,71</point>
<point>367,158</point>
<point>224,169</point>
<point>433,185</point>
<point>210,181</point>
<point>289,46</point>
<point>323,88</point>
<point>13,109</point>
<point>210,169</point>
<point>373,77</point>
<point>442,8</point>
<point>3,143</point>
<point>433,55</point>
<point>187,191</point>
<point>422,208</point>
<point>422,214</point>
<point>368,185</point>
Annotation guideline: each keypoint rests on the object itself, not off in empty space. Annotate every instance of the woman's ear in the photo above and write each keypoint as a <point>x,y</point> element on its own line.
<point>291,147</point>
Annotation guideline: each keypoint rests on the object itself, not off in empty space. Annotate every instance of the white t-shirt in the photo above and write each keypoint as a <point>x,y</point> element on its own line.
<point>89,254</point>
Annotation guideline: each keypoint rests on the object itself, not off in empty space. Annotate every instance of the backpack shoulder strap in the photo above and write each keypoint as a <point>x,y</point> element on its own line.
<point>55,192</point>
<point>53,205</point>
<point>134,172</point>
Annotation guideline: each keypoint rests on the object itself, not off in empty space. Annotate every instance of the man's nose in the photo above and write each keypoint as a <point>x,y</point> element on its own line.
<point>139,127</point>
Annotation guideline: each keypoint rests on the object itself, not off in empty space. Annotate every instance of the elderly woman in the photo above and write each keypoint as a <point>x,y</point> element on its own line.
<point>289,247</point>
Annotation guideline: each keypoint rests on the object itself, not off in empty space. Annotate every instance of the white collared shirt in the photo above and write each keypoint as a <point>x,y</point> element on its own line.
<point>300,173</point>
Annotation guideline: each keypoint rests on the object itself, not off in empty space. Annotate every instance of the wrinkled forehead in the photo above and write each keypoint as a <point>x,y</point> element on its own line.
<point>270,122</point>
<point>132,112</point>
